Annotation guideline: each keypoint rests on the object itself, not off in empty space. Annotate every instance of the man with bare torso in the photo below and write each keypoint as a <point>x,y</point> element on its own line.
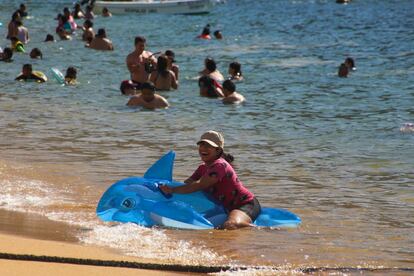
<point>101,42</point>
<point>147,98</point>
<point>138,61</point>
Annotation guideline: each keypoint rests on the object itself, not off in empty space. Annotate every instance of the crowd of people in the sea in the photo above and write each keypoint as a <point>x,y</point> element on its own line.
<point>155,71</point>
<point>152,71</point>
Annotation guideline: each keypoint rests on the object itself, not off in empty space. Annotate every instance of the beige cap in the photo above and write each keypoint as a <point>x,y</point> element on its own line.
<point>213,138</point>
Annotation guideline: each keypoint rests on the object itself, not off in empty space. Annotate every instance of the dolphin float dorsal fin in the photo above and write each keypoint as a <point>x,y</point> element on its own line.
<point>163,168</point>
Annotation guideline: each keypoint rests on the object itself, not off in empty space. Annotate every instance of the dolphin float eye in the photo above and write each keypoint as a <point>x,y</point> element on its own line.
<point>128,203</point>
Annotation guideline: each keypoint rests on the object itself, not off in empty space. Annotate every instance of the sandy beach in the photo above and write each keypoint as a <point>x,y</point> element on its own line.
<point>21,246</point>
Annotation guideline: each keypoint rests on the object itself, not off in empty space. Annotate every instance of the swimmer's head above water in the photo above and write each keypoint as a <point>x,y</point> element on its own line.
<point>407,128</point>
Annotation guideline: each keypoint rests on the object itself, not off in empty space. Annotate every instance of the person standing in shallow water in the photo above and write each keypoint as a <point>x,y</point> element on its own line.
<point>230,94</point>
<point>13,28</point>
<point>171,65</point>
<point>217,177</point>
<point>138,61</point>
<point>22,10</point>
<point>77,12</point>
<point>101,42</point>
<point>211,70</point>
<point>208,88</point>
<point>89,13</point>
<point>163,78</point>
<point>22,33</point>
<point>88,32</point>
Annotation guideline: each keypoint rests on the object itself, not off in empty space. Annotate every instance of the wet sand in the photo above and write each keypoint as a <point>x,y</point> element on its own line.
<point>31,234</point>
<point>35,226</point>
<point>19,245</point>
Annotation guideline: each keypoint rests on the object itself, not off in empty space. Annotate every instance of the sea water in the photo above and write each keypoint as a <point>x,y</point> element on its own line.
<point>327,148</point>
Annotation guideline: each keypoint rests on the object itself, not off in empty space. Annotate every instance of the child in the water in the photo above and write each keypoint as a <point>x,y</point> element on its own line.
<point>217,177</point>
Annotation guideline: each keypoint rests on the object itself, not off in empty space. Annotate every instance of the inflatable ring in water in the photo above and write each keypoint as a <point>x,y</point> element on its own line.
<point>20,48</point>
<point>40,77</point>
<point>57,75</point>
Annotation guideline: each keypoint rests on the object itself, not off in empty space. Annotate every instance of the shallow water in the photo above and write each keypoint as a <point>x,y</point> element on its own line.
<point>328,149</point>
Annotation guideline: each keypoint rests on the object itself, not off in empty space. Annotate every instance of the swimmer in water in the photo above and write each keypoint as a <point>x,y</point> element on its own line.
<point>36,53</point>
<point>6,55</point>
<point>235,73</point>
<point>27,74</point>
<point>70,77</point>
<point>78,12</point>
<point>129,88</point>
<point>101,42</point>
<point>343,1</point>
<point>218,35</point>
<point>106,13</point>
<point>343,71</point>
<point>88,32</point>
<point>147,98</point>
<point>205,34</point>
<point>72,26</point>
<point>217,177</point>
<point>49,38</point>
<point>407,128</point>
<point>208,88</point>
<point>230,94</point>
<point>22,10</point>
<point>171,65</point>
<point>211,70</point>
<point>63,35</point>
<point>350,63</point>
<point>89,12</point>
<point>163,78</point>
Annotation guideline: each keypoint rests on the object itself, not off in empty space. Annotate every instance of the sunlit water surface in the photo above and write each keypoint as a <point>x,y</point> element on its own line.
<point>326,148</point>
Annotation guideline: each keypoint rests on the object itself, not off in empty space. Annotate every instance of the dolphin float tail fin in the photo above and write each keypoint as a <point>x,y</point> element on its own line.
<point>163,168</point>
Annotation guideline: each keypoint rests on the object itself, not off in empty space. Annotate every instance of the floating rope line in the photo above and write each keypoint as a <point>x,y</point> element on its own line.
<point>182,268</point>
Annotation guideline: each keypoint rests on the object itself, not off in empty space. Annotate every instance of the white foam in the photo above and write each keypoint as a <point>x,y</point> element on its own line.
<point>37,197</point>
<point>150,243</point>
<point>261,271</point>
<point>25,195</point>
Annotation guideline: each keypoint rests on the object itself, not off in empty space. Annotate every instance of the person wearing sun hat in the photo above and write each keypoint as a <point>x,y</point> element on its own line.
<point>217,177</point>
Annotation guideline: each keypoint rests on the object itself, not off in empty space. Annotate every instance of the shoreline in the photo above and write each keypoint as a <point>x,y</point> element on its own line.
<point>18,246</point>
<point>36,226</point>
<point>33,244</point>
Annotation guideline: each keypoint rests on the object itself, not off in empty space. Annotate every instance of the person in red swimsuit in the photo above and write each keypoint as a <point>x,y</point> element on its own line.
<point>217,177</point>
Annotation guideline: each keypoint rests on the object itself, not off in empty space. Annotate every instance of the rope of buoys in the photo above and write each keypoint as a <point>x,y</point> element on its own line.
<point>183,268</point>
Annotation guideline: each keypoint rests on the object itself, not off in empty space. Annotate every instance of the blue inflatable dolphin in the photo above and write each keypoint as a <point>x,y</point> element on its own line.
<point>139,200</point>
